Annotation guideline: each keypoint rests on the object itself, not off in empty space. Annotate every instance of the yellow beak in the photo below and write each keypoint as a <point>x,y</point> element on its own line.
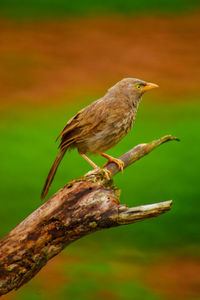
<point>149,86</point>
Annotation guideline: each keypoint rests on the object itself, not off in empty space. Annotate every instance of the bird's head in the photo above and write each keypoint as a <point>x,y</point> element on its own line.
<point>132,87</point>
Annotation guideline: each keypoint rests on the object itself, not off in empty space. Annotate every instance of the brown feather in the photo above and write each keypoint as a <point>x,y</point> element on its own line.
<point>72,123</point>
<point>52,173</point>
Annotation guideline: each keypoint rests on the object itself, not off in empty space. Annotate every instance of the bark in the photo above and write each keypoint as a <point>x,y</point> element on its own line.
<point>82,206</point>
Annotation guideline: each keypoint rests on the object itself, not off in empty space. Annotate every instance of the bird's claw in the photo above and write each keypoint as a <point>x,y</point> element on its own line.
<point>108,174</point>
<point>117,161</point>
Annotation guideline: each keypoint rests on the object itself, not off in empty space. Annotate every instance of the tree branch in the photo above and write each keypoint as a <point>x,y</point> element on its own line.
<point>82,206</point>
<point>139,151</point>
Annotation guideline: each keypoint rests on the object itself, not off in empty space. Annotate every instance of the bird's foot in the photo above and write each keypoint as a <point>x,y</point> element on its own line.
<point>117,161</point>
<point>107,173</point>
<point>98,170</point>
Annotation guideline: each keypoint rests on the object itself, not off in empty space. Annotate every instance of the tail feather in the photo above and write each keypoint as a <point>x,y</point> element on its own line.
<point>52,173</point>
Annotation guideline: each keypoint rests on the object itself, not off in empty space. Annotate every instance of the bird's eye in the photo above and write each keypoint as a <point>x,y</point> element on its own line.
<point>138,86</point>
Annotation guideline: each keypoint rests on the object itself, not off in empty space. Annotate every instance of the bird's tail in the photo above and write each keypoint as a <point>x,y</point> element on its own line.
<point>52,173</point>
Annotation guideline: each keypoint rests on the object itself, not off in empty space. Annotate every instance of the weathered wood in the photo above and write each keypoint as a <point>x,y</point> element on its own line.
<point>81,207</point>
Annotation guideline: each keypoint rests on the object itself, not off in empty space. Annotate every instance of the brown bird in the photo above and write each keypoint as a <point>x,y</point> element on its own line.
<point>101,125</point>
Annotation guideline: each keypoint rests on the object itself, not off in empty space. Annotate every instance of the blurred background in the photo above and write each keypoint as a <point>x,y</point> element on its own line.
<point>55,58</point>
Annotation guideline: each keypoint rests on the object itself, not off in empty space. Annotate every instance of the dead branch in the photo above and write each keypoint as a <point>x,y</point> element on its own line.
<point>83,206</point>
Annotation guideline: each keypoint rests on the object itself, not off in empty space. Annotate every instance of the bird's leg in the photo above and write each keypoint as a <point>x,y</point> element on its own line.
<point>107,172</point>
<point>89,161</point>
<point>117,161</point>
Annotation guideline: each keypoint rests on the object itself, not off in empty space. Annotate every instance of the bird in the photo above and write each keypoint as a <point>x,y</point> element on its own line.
<point>101,125</point>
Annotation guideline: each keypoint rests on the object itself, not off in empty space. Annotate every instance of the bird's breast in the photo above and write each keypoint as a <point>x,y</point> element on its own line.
<point>114,129</point>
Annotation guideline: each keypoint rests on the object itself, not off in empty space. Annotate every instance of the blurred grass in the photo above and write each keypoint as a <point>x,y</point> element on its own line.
<point>63,8</point>
<point>169,172</point>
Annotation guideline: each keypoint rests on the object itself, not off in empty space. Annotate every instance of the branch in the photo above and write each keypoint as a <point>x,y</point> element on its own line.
<point>83,206</point>
<point>139,151</point>
<point>139,213</point>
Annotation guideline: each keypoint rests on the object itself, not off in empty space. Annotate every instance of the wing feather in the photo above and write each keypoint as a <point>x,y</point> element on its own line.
<point>87,122</point>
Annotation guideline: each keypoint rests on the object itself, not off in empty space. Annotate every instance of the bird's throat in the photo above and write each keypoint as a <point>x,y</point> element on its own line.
<point>136,100</point>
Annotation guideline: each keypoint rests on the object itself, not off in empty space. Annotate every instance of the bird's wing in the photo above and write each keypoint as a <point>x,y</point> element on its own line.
<point>87,122</point>
<point>71,124</point>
